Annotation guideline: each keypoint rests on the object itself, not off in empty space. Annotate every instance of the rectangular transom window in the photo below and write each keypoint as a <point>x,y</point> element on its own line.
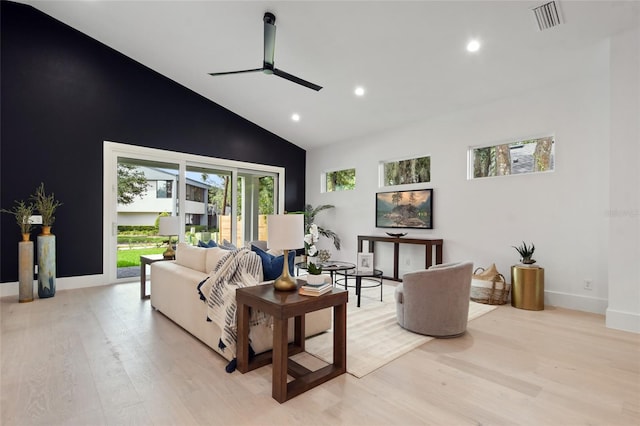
<point>524,156</point>
<point>404,172</point>
<point>340,180</point>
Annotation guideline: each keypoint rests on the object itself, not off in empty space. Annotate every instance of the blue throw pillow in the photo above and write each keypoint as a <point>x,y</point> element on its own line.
<point>210,244</point>
<point>272,265</point>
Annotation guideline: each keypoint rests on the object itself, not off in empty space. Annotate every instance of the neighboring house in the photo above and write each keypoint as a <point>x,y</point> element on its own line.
<point>161,196</point>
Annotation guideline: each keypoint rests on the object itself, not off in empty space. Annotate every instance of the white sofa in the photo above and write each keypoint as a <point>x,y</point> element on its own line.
<point>174,293</point>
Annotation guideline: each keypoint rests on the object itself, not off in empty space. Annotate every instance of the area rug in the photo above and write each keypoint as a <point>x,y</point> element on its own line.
<point>374,337</point>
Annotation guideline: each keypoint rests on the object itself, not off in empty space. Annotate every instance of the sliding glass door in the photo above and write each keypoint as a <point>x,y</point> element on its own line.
<point>215,199</point>
<point>257,195</point>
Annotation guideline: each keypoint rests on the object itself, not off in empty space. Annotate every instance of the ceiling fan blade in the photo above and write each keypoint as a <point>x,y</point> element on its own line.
<point>236,72</point>
<point>295,79</point>
<point>269,37</point>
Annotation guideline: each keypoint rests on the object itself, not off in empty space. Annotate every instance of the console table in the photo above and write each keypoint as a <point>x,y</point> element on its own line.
<point>429,244</point>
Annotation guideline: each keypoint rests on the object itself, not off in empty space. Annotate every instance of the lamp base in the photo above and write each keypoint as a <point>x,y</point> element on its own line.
<point>285,282</point>
<point>169,253</point>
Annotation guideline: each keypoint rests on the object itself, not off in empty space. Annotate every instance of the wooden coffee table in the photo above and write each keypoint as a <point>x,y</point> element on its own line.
<point>283,305</point>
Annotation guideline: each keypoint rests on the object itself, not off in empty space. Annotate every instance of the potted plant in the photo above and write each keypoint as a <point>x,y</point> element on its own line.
<point>310,249</point>
<point>22,212</point>
<point>526,253</point>
<point>314,277</point>
<point>46,205</point>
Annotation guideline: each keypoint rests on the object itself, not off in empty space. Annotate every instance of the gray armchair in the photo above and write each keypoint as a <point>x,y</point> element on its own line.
<point>435,301</point>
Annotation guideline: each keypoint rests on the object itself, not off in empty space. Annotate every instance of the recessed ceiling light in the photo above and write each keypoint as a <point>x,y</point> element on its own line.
<point>473,46</point>
<point>295,117</point>
<point>359,91</point>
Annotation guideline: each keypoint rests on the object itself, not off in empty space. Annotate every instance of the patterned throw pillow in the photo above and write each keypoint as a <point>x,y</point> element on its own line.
<point>272,265</point>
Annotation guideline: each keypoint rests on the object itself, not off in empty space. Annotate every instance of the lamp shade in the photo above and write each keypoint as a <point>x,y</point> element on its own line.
<point>285,231</point>
<point>169,225</point>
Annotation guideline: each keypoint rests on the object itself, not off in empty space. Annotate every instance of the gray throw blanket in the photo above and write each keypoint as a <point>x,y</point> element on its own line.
<point>239,268</point>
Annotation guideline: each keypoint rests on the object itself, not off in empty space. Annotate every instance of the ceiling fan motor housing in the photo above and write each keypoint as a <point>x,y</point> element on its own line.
<point>269,18</point>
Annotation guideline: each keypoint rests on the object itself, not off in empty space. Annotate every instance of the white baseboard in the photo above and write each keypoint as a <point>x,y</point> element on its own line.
<point>67,283</point>
<point>627,321</point>
<point>578,302</point>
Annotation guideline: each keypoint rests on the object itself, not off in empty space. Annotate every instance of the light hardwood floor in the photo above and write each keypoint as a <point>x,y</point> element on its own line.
<point>101,356</point>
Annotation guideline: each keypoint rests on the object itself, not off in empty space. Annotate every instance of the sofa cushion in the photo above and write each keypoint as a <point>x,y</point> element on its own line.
<point>272,265</point>
<point>213,256</point>
<point>191,257</point>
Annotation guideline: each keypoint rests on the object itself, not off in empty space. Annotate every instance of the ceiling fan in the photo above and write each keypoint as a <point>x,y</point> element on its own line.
<point>269,48</point>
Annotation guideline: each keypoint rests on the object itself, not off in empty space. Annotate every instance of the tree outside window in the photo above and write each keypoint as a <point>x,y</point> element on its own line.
<point>526,156</point>
<point>341,180</point>
<point>404,172</point>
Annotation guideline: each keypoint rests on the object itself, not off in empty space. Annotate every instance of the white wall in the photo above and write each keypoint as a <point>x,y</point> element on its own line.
<point>624,218</point>
<point>563,212</point>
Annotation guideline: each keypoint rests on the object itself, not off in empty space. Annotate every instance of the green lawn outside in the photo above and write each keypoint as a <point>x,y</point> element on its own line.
<point>132,257</point>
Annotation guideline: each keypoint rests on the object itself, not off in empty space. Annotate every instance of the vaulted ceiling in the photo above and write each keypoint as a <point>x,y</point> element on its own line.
<point>410,57</point>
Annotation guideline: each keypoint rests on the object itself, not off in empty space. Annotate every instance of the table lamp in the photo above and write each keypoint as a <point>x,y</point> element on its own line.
<point>169,226</point>
<point>286,232</point>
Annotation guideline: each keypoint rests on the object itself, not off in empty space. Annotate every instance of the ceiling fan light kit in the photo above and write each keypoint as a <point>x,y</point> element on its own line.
<point>268,61</point>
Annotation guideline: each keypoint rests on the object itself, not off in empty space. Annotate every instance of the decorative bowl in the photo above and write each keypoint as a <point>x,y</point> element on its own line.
<point>398,235</point>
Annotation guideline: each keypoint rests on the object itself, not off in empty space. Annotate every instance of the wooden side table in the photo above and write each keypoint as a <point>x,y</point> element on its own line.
<point>283,305</point>
<point>144,261</point>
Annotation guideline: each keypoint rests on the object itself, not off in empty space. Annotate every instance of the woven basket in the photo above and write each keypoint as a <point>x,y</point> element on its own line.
<point>489,287</point>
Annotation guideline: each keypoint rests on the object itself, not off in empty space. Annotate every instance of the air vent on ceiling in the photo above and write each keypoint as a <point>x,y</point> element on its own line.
<point>547,16</point>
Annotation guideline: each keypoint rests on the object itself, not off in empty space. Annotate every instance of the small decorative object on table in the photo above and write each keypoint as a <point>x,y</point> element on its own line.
<point>314,277</point>
<point>324,255</point>
<point>365,262</point>
<point>314,270</point>
<point>396,235</point>
<point>314,290</point>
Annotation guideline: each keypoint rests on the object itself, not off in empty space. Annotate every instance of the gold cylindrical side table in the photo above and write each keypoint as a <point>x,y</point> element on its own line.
<point>527,287</point>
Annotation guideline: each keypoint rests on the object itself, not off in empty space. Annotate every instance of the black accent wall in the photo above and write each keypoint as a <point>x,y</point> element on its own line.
<point>63,95</point>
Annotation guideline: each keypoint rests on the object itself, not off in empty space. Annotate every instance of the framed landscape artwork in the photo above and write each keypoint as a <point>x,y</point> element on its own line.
<point>405,209</point>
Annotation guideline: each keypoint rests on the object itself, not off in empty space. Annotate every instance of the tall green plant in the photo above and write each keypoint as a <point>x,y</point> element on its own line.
<point>22,212</point>
<point>310,214</point>
<point>46,205</point>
